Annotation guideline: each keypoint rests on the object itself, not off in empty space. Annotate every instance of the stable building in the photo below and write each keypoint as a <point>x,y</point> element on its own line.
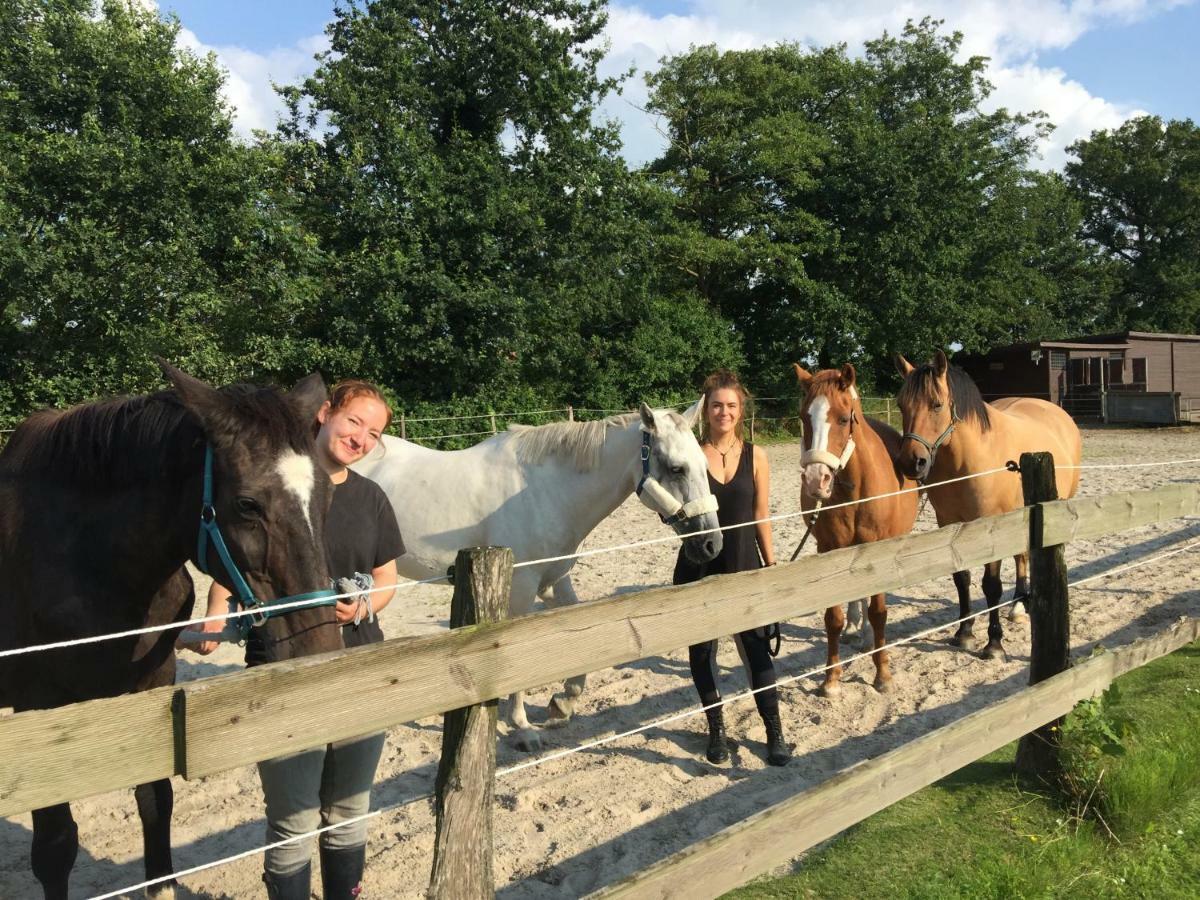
<point>1132,376</point>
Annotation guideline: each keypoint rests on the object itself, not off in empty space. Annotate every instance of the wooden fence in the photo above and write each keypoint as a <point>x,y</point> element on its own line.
<point>207,726</point>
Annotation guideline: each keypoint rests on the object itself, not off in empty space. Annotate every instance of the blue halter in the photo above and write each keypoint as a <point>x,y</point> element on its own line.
<point>209,530</point>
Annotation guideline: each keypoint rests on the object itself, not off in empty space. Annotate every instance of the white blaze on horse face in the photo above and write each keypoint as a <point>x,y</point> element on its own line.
<point>298,473</point>
<point>818,414</point>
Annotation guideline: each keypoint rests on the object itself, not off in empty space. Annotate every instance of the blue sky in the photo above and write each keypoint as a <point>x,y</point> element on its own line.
<point>1088,63</point>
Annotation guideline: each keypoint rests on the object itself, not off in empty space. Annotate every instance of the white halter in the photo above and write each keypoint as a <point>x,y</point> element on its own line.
<point>836,463</point>
<point>658,498</point>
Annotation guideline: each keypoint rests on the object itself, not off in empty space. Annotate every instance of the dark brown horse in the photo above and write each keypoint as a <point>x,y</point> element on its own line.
<point>848,457</point>
<point>949,432</point>
<point>100,508</point>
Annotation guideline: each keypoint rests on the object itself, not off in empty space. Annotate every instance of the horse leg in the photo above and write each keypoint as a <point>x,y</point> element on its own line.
<point>155,801</point>
<point>878,617</point>
<point>993,589</point>
<point>963,637</point>
<point>835,621</point>
<point>55,845</point>
<point>1021,591</point>
<point>562,706</point>
<point>524,736</point>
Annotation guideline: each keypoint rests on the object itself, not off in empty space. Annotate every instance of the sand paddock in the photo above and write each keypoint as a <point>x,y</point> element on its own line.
<point>577,823</point>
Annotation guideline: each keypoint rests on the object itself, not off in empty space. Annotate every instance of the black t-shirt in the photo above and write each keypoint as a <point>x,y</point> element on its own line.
<point>361,534</point>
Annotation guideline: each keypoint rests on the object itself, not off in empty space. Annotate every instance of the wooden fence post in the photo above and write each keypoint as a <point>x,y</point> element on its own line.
<point>403,434</point>
<point>1049,614</point>
<point>464,789</point>
<point>570,413</point>
<point>493,423</point>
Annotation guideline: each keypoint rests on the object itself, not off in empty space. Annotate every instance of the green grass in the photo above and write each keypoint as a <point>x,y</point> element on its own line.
<point>981,833</point>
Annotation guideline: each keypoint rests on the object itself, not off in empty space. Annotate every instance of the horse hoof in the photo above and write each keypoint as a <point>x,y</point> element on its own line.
<point>528,742</point>
<point>830,689</point>
<point>559,712</point>
<point>1016,616</point>
<point>884,687</point>
<point>963,640</point>
<point>994,650</point>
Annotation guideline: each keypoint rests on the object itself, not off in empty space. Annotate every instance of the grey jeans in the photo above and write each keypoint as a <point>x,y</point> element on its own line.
<point>315,788</point>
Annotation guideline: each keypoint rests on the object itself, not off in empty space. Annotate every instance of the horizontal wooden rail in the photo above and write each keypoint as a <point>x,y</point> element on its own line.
<point>1085,518</point>
<point>778,834</point>
<point>271,710</point>
<point>51,756</point>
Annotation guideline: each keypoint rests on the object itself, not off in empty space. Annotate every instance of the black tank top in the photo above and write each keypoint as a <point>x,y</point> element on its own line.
<point>736,504</point>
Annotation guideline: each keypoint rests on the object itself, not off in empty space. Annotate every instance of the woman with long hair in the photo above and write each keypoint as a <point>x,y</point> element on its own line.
<point>739,476</point>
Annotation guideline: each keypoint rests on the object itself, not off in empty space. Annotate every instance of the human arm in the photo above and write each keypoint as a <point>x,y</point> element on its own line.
<point>383,576</point>
<point>762,491</point>
<point>218,604</point>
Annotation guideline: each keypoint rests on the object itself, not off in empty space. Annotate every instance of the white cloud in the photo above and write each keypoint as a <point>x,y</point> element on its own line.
<point>1010,32</point>
<point>250,75</point>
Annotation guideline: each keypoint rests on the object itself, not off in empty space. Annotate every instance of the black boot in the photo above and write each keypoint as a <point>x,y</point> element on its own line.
<point>718,745</point>
<point>778,753</point>
<point>342,871</point>
<point>294,886</point>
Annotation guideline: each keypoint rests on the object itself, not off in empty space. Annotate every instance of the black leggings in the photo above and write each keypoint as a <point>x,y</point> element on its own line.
<point>703,661</point>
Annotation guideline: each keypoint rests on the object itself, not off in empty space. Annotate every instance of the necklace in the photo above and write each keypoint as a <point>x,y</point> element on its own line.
<point>726,452</point>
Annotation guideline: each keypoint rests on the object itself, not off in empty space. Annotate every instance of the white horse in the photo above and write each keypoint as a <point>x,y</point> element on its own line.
<point>541,490</point>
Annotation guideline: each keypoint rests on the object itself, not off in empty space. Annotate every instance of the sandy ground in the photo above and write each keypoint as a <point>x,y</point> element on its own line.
<point>577,823</point>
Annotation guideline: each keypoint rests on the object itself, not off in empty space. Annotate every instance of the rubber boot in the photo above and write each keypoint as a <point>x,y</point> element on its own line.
<point>778,752</point>
<point>293,886</point>
<point>342,871</point>
<point>718,744</point>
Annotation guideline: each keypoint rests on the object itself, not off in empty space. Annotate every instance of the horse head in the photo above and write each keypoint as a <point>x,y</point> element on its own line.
<point>928,413</point>
<point>674,479</point>
<point>829,413</point>
<point>269,498</point>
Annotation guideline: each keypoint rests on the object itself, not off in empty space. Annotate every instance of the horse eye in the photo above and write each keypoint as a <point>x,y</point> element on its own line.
<point>678,470</point>
<point>844,420</point>
<point>937,407</point>
<point>248,508</point>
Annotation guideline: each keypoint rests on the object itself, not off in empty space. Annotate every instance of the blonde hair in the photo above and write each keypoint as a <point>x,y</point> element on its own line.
<point>723,379</point>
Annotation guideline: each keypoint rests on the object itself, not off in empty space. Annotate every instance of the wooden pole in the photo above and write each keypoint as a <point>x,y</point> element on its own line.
<point>493,423</point>
<point>1049,614</point>
<point>403,435</point>
<point>464,789</point>
<point>570,413</point>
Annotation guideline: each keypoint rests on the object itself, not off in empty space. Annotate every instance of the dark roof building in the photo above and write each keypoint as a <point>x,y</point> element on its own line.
<point>1083,374</point>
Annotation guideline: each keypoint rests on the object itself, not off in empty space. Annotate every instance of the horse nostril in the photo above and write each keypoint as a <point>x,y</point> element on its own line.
<point>709,548</point>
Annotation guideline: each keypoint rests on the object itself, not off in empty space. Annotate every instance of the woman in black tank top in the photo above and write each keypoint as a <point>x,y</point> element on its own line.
<point>738,475</point>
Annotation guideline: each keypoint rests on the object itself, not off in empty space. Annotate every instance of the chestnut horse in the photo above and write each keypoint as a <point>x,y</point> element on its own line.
<point>848,457</point>
<point>950,432</point>
<point>101,506</point>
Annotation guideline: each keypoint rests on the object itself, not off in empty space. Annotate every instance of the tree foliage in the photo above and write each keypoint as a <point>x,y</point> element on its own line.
<point>1140,185</point>
<point>130,223</point>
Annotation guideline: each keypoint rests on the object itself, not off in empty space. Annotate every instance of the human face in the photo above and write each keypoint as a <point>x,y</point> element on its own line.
<point>351,432</point>
<point>724,411</point>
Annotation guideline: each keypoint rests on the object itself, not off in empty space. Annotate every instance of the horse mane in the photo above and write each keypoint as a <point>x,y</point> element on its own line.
<point>106,442</point>
<point>578,441</point>
<point>968,402</point>
<point>827,382</point>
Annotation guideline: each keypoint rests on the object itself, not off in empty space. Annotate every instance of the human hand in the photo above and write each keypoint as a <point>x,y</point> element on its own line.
<point>345,610</point>
<point>203,647</point>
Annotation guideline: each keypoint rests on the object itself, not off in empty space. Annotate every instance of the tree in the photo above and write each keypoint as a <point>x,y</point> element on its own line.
<point>485,237</point>
<point>1140,188</point>
<point>840,209</point>
<point>130,223</point>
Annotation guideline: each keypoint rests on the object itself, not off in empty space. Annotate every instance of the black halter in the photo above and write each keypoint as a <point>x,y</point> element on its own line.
<point>933,448</point>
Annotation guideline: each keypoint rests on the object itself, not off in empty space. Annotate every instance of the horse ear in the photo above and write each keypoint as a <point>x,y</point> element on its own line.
<point>903,366</point>
<point>203,401</point>
<point>308,396</point>
<point>848,377</point>
<point>692,414</point>
<point>802,374</point>
<point>940,363</point>
<point>647,417</point>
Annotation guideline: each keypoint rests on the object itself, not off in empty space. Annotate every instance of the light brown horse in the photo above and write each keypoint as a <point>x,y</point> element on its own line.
<point>950,432</point>
<point>848,457</point>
